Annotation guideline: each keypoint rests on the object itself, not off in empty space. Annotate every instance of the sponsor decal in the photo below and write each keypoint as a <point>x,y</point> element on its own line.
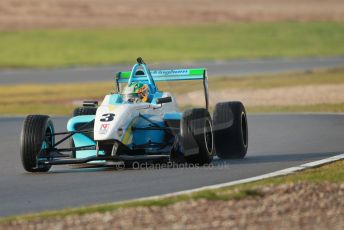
<point>104,128</point>
<point>170,72</point>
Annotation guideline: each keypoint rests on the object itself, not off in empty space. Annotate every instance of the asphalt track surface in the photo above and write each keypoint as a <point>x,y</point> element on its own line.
<point>276,141</point>
<point>220,68</point>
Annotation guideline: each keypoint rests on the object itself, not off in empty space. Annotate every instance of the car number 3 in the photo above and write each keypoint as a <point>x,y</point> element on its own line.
<point>107,117</point>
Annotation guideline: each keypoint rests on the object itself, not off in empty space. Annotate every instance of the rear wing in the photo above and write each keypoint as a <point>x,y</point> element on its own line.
<point>141,73</point>
<point>163,75</point>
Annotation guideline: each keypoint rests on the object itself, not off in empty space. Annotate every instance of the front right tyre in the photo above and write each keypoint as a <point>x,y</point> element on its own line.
<point>84,111</point>
<point>36,135</point>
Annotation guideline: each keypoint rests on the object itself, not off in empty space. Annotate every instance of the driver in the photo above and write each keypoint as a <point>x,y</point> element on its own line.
<point>136,92</point>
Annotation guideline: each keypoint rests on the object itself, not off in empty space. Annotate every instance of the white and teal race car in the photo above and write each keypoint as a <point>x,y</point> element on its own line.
<point>138,124</point>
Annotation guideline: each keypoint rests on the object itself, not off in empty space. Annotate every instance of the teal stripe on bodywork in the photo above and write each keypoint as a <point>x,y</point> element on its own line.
<point>79,138</point>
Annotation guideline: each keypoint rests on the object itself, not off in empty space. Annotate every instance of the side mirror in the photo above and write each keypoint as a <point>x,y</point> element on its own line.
<point>163,100</point>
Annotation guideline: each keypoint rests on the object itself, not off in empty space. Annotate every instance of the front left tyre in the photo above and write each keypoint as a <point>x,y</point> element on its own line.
<point>36,135</point>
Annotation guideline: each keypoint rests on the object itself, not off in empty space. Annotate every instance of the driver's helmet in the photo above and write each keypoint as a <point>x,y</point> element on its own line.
<point>136,92</point>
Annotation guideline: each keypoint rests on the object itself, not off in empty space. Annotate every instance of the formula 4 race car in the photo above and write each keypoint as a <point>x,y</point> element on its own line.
<point>138,124</point>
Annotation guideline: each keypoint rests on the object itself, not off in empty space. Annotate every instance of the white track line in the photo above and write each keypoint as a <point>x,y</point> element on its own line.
<point>247,180</point>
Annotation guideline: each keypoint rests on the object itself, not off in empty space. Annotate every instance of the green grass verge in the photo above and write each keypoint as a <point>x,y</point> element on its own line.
<point>333,172</point>
<point>58,99</point>
<point>63,47</point>
<point>320,77</point>
<point>48,99</point>
<point>318,108</point>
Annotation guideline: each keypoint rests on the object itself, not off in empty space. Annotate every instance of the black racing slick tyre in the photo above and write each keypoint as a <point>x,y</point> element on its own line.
<point>230,130</point>
<point>36,135</point>
<point>197,136</point>
<point>84,111</point>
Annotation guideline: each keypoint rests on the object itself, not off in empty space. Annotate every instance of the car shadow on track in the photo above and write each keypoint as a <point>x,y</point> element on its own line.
<point>257,158</point>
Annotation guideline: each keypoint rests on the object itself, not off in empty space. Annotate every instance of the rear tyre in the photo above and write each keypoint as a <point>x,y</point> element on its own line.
<point>79,112</point>
<point>197,136</point>
<point>230,130</point>
<point>36,135</point>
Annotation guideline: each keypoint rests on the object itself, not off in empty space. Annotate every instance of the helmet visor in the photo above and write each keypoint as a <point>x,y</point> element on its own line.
<point>130,97</point>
